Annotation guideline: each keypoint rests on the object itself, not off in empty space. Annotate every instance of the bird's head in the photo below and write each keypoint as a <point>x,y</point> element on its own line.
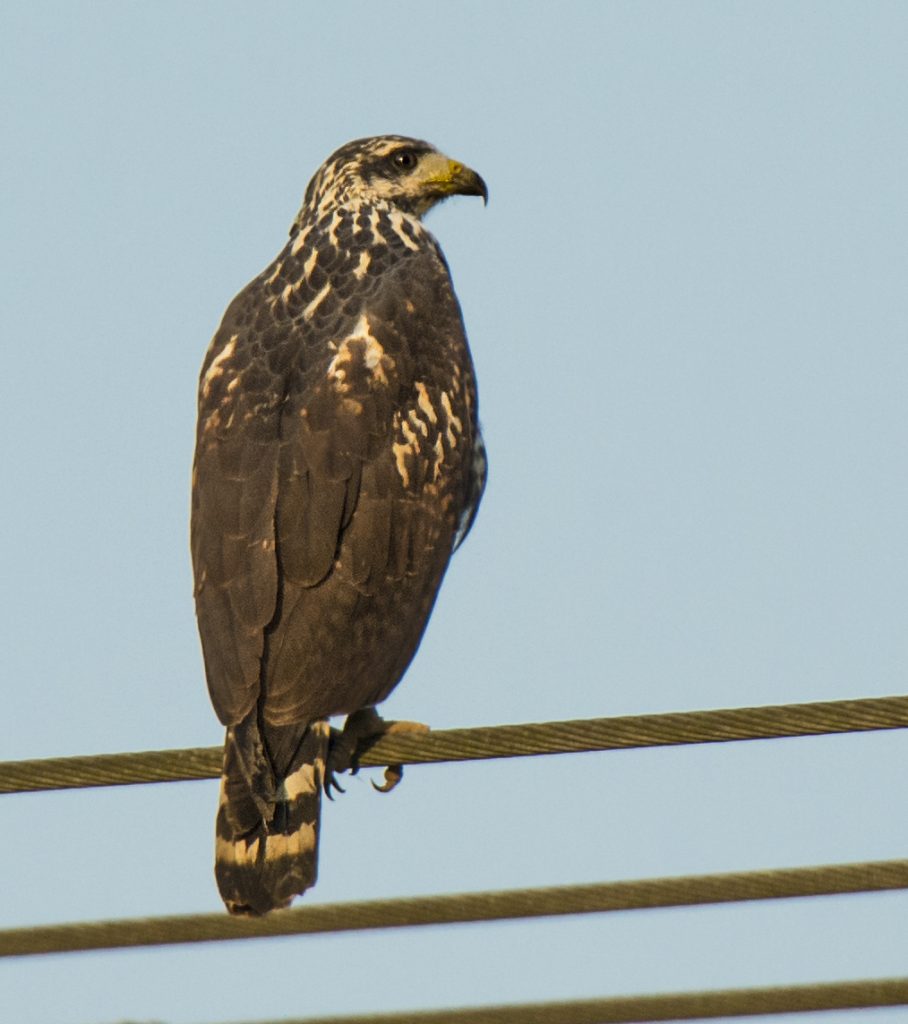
<point>406,173</point>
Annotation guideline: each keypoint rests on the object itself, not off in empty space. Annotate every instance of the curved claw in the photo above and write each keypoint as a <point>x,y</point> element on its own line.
<point>361,730</point>
<point>332,783</point>
<point>340,759</point>
<point>393,774</point>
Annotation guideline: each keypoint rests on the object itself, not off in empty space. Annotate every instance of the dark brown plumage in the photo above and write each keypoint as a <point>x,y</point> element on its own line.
<point>338,463</point>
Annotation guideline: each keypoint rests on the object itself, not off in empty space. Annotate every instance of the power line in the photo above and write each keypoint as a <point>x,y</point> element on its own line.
<point>554,901</point>
<point>737,1002</point>
<point>621,733</point>
<point>828,717</point>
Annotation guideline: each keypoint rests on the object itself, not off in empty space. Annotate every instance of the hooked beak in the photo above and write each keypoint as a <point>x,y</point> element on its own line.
<point>466,182</point>
<point>444,177</point>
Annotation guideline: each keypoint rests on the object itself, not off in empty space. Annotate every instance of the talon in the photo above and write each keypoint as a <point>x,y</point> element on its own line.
<point>361,731</point>
<point>339,759</point>
<point>332,783</point>
<point>393,774</point>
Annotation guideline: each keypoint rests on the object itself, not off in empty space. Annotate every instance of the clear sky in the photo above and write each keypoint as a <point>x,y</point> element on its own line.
<point>688,309</point>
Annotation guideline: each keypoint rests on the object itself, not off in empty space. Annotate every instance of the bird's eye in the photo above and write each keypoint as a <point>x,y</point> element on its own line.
<point>404,159</point>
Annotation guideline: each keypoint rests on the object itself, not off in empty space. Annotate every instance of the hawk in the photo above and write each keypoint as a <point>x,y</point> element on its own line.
<point>338,464</point>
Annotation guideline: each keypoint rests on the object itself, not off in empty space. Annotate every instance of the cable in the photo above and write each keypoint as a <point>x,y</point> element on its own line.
<point>629,731</point>
<point>640,894</point>
<point>735,1002</point>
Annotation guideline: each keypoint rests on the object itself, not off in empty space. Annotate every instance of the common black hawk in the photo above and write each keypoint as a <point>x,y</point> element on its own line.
<point>338,465</point>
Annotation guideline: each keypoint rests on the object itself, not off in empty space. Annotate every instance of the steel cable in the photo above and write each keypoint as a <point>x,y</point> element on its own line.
<point>638,894</point>
<point>739,1002</point>
<point>772,722</point>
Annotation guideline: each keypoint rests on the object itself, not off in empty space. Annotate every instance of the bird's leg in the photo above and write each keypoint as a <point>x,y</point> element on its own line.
<point>361,731</point>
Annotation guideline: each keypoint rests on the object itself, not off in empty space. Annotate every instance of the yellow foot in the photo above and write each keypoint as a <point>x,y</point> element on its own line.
<point>361,731</point>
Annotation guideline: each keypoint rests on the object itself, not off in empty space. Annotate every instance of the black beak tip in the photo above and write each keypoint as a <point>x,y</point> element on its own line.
<point>482,190</point>
<point>471,184</point>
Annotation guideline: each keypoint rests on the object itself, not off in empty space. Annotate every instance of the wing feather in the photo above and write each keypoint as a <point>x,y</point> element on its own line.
<point>233,501</point>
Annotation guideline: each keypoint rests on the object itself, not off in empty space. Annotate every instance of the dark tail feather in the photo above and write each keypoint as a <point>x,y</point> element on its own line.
<point>266,842</point>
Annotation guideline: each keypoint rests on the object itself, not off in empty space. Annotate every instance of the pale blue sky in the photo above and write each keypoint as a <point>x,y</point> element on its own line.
<point>688,309</point>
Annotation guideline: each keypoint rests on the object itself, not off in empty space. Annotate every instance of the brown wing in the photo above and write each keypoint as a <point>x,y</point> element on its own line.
<point>371,487</point>
<point>233,501</point>
<point>280,453</point>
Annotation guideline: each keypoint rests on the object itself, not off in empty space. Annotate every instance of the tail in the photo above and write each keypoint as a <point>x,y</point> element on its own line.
<point>266,836</point>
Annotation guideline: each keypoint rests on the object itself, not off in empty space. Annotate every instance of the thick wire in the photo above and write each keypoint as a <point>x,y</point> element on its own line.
<point>641,894</point>
<point>838,716</point>
<point>737,1002</point>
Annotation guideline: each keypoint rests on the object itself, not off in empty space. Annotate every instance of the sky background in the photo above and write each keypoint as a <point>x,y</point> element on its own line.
<point>688,309</point>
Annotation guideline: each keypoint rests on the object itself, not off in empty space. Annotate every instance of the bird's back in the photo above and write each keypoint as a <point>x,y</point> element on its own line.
<point>339,391</point>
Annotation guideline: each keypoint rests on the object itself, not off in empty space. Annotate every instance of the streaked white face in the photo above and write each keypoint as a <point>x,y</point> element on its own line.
<point>420,179</point>
<point>406,173</point>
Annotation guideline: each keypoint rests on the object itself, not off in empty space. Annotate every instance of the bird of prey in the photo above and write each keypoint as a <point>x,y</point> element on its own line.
<point>338,465</point>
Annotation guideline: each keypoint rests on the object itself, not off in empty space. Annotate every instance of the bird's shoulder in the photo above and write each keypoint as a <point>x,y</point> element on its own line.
<point>364,292</point>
